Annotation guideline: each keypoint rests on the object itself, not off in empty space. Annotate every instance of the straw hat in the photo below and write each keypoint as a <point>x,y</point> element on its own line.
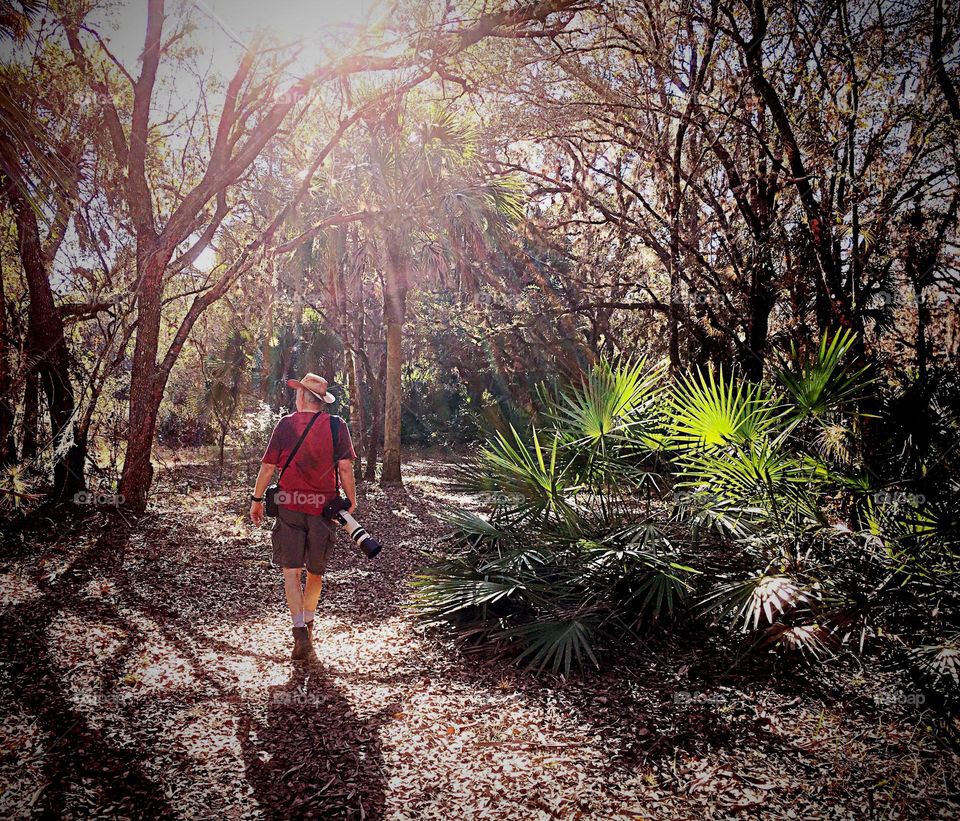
<point>314,384</point>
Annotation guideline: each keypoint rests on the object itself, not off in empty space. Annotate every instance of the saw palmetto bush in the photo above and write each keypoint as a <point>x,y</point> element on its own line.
<point>632,496</point>
<point>570,553</point>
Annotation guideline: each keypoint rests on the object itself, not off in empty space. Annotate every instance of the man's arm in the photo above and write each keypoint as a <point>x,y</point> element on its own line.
<point>263,479</point>
<point>345,467</point>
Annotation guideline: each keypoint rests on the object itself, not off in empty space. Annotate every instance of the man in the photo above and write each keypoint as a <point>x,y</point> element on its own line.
<point>301,537</point>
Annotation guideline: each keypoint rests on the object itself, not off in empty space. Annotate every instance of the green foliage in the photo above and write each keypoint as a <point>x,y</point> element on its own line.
<point>582,542</point>
<point>562,562</point>
<point>822,383</point>
<point>711,411</point>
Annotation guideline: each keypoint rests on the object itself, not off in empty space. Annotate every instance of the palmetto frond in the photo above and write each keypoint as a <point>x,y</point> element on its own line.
<point>824,382</point>
<point>646,566</point>
<point>760,479</point>
<point>47,177</point>
<point>452,589</point>
<point>15,18</point>
<point>445,137</point>
<point>469,528</point>
<point>555,644</point>
<point>756,601</point>
<point>529,479</point>
<point>940,661</point>
<point>613,401</point>
<point>812,640</point>
<point>505,197</point>
<point>711,410</point>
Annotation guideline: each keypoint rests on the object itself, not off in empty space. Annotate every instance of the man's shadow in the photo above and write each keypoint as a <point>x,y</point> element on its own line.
<point>308,755</point>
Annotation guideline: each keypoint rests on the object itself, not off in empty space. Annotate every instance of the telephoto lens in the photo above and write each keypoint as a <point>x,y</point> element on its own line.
<point>336,511</point>
<point>364,540</point>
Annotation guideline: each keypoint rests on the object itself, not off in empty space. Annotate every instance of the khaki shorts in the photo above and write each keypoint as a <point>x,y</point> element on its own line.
<point>302,540</point>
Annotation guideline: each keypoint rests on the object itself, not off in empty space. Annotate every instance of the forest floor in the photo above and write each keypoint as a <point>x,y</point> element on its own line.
<point>145,673</point>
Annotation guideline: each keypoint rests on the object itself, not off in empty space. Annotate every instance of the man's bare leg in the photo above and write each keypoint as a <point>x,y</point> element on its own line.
<point>311,593</point>
<point>311,596</point>
<point>294,593</point>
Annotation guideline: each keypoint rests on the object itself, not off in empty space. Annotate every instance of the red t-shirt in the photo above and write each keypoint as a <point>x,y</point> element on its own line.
<point>310,481</point>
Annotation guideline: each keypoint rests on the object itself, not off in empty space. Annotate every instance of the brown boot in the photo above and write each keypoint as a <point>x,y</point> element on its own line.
<point>302,647</point>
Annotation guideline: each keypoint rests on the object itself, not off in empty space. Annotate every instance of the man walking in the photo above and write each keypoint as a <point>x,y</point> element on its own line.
<point>301,537</point>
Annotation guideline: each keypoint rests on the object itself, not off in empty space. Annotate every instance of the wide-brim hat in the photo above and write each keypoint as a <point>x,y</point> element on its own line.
<point>314,384</point>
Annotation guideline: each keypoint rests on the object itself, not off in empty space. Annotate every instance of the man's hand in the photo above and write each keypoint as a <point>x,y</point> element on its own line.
<point>353,506</point>
<point>263,479</point>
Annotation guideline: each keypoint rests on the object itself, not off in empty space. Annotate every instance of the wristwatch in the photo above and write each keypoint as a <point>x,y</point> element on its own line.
<point>256,498</point>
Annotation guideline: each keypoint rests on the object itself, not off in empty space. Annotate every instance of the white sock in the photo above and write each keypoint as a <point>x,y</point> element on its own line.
<point>309,615</point>
<point>298,620</point>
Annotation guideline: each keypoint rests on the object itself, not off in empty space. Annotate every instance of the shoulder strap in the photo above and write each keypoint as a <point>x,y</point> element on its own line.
<point>296,447</point>
<point>334,428</point>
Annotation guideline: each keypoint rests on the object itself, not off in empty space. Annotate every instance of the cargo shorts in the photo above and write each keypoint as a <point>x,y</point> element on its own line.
<point>302,540</point>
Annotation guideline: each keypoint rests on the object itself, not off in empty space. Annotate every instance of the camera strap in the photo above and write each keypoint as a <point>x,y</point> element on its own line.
<point>334,428</point>
<point>296,447</point>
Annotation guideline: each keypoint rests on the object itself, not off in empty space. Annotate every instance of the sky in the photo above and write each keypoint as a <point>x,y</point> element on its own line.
<point>224,25</point>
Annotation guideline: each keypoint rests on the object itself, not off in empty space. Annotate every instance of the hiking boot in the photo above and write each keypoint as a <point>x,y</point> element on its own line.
<point>302,646</point>
<point>310,631</point>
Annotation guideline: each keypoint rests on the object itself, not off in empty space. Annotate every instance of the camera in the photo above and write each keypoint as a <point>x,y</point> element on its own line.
<point>336,511</point>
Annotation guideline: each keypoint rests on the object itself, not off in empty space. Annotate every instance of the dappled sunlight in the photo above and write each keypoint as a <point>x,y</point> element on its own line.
<point>489,746</point>
<point>621,336</point>
<point>206,730</point>
<point>17,588</point>
<point>195,676</point>
<point>87,649</point>
<point>157,668</point>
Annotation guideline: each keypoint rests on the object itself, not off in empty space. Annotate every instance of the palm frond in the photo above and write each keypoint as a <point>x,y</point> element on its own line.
<point>530,479</point>
<point>447,591</point>
<point>555,644</point>
<point>711,410</point>
<point>762,597</point>
<point>941,661</point>
<point>610,402</point>
<point>825,381</point>
<point>811,640</point>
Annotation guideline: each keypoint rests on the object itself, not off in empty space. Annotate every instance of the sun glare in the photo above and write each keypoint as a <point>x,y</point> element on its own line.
<point>206,260</point>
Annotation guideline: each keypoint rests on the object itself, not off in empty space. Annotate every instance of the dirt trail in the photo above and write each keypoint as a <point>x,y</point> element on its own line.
<point>145,674</point>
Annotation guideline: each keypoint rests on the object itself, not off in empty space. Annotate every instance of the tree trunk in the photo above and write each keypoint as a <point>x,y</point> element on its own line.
<point>221,444</point>
<point>147,382</point>
<point>393,406</point>
<point>266,350</point>
<point>47,347</point>
<point>758,327</point>
<point>8,448</point>
<point>31,416</point>
<point>395,286</point>
<point>356,410</point>
<point>358,392</point>
<point>376,423</point>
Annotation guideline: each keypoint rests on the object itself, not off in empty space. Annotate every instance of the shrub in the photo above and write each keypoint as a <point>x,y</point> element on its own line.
<point>602,515</point>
